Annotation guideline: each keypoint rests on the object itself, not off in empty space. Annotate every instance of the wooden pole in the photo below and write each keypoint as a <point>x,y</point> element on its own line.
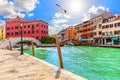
<point>10,45</point>
<point>32,47</point>
<point>59,52</point>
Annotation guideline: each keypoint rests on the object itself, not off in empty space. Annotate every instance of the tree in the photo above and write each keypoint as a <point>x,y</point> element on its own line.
<point>48,40</point>
<point>1,37</point>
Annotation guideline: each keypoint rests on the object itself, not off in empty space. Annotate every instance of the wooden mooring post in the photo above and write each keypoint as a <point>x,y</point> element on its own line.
<point>32,47</point>
<point>10,45</point>
<point>59,52</point>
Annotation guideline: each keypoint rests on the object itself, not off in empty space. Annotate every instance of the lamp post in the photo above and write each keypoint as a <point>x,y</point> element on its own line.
<point>21,38</point>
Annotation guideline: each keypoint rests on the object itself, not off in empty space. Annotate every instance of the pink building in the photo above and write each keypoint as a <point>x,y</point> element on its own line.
<point>37,28</point>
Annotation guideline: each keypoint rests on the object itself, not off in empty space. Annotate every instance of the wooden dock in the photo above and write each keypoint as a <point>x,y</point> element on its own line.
<point>14,66</point>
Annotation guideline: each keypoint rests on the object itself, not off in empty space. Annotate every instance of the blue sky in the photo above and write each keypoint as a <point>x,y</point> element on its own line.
<point>77,11</point>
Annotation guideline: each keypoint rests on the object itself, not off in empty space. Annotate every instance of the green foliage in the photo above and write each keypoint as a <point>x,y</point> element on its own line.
<point>1,37</point>
<point>48,40</point>
<point>24,42</point>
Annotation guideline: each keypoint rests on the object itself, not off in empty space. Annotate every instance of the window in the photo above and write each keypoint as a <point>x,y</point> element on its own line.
<point>119,32</point>
<point>16,27</point>
<point>115,24</point>
<point>111,25</point>
<point>115,32</point>
<point>107,34</point>
<point>8,33</point>
<point>42,25</point>
<point>103,27</point>
<point>89,29</point>
<point>28,32</point>
<point>28,26</point>
<point>95,27</point>
<point>99,19</point>
<point>16,33</point>
<point>91,34</point>
<point>111,33</point>
<point>99,32</point>
<point>37,25</point>
<point>24,32</point>
<point>37,31</point>
<point>94,33</point>
<point>32,31</point>
<point>119,24</point>
<point>42,31</point>
<point>8,28</point>
<point>103,34</point>
<point>107,26</point>
<point>12,34</point>
<point>37,37</point>
<point>46,32</point>
<point>32,26</point>
<point>99,26</point>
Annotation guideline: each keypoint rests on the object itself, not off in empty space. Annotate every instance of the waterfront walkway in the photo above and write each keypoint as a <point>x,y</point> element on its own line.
<point>25,67</point>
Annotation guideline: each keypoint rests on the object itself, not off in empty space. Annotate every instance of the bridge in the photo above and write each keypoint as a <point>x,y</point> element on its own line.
<point>4,44</point>
<point>74,41</point>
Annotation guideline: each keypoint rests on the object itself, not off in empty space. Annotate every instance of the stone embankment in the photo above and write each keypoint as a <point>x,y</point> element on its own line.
<point>14,66</point>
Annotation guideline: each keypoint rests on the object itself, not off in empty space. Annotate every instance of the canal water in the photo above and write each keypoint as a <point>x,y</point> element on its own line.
<point>93,63</point>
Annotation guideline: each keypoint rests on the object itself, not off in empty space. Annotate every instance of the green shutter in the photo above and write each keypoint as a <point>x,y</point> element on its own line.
<point>114,38</point>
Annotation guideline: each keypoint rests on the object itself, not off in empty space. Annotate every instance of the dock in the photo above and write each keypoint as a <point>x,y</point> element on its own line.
<point>14,66</point>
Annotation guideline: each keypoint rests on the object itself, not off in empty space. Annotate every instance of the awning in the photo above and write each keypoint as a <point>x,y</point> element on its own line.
<point>114,38</point>
<point>83,39</point>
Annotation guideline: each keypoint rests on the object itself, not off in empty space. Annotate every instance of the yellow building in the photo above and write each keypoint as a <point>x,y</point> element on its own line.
<point>2,33</point>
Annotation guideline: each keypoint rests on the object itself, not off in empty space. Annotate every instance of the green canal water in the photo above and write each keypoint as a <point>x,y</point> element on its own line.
<point>93,63</point>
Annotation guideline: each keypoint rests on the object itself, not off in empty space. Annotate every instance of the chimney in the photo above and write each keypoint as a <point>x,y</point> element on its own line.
<point>116,15</point>
<point>34,19</point>
<point>17,16</point>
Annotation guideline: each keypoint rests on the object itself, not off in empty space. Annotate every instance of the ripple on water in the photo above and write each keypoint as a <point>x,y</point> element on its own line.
<point>94,63</point>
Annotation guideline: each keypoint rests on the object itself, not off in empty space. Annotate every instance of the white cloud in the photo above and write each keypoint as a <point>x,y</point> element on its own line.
<point>2,23</point>
<point>58,22</point>
<point>9,9</point>
<point>30,14</point>
<point>94,11</point>
<point>25,5</point>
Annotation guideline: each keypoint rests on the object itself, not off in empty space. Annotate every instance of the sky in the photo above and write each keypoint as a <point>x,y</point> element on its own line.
<point>46,10</point>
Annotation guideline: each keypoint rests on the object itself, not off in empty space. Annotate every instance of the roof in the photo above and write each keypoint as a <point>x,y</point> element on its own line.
<point>27,21</point>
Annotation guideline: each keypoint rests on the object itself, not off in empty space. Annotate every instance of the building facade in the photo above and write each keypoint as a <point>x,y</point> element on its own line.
<point>97,23</point>
<point>91,30</point>
<point>2,33</point>
<point>68,33</point>
<point>37,28</point>
<point>100,30</point>
<point>111,31</point>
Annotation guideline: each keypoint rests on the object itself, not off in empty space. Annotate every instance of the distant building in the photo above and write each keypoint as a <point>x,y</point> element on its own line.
<point>68,33</point>
<point>2,33</point>
<point>97,23</point>
<point>100,30</point>
<point>111,31</point>
<point>37,28</point>
<point>91,30</point>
